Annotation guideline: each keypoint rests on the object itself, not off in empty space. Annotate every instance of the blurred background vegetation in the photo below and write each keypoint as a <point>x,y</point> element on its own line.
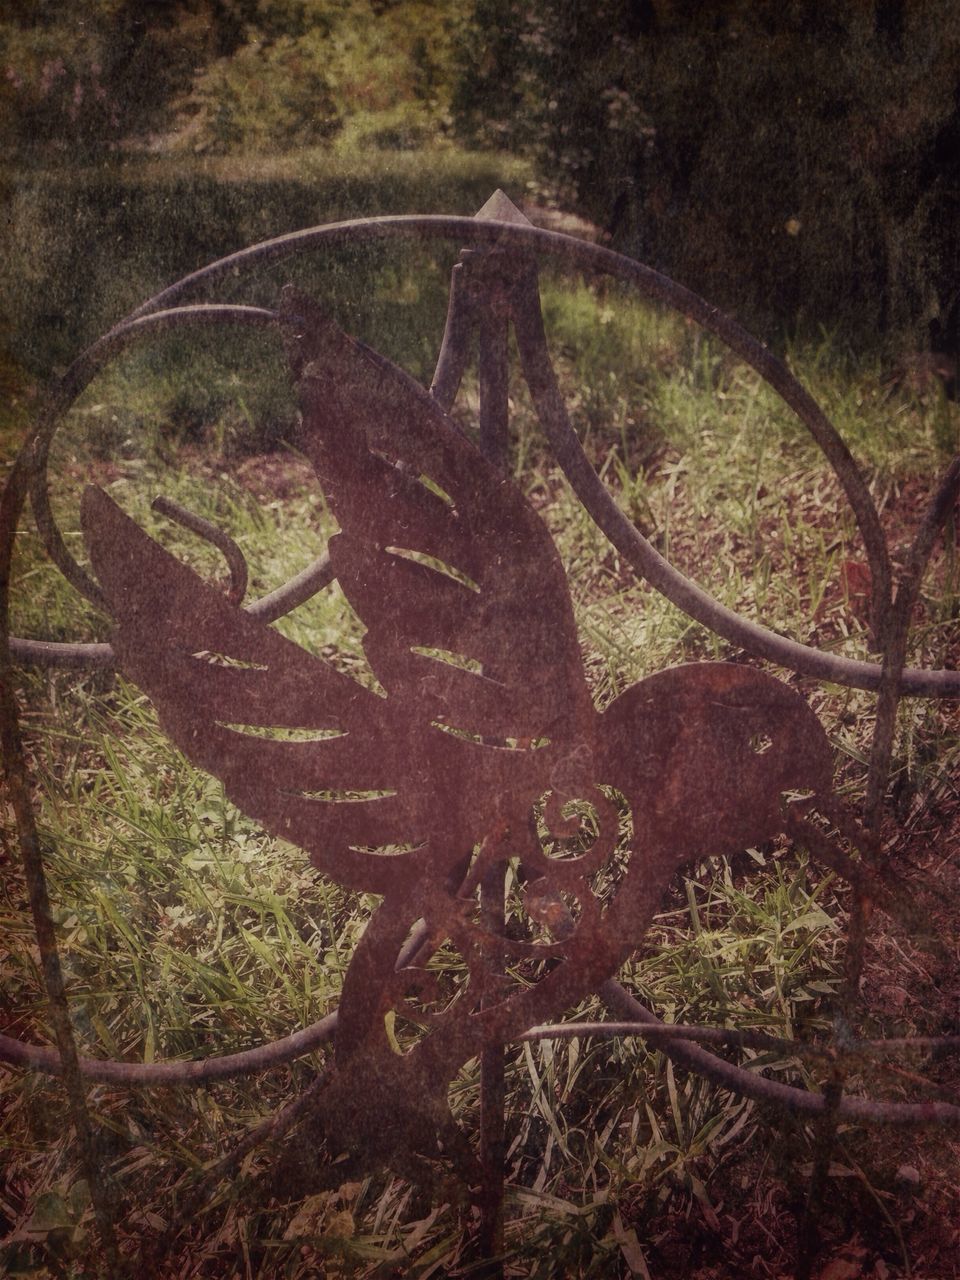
<point>796,163</point>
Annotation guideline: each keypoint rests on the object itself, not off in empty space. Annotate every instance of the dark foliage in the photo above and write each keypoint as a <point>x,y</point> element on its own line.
<point>788,160</point>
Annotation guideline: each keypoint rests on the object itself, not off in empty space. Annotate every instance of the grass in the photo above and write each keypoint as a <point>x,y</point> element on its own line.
<point>184,930</point>
<point>137,223</point>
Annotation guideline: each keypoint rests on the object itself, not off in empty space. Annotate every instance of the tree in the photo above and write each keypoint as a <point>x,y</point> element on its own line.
<point>79,78</point>
<point>784,158</point>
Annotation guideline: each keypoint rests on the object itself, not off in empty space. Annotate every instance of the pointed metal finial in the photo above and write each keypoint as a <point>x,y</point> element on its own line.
<point>500,208</point>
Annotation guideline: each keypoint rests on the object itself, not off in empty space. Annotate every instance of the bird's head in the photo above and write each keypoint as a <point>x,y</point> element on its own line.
<point>704,753</point>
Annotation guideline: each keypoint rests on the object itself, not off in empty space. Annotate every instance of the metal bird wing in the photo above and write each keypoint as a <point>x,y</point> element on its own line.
<point>469,630</point>
<point>228,690</point>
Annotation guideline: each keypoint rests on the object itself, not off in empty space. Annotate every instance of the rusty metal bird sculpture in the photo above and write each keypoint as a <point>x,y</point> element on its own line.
<point>474,749</point>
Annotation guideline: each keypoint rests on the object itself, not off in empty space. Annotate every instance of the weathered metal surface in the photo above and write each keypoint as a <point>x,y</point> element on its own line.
<point>483,731</point>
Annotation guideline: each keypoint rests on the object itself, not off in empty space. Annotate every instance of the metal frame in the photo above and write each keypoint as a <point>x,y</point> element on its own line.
<point>494,287</point>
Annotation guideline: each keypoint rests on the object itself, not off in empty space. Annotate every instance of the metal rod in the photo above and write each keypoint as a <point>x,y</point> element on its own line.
<point>59,653</point>
<point>730,1038</point>
<point>194,1072</point>
<point>78,377</point>
<point>494,403</point>
<point>75,380</point>
<point>748,1084</point>
<point>833,1091</point>
<point>692,599</point>
<point>290,1048</point>
<point>293,593</point>
<point>492,1083</point>
<point>18,788</point>
<point>276,604</point>
<point>895,629</point>
<point>18,1053</point>
<point>455,346</point>
<point>494,376</point>
<point>892,678</point>
<point>205,529</point>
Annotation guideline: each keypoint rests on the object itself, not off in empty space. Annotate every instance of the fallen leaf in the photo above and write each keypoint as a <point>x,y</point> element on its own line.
<point>848,1264</point>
